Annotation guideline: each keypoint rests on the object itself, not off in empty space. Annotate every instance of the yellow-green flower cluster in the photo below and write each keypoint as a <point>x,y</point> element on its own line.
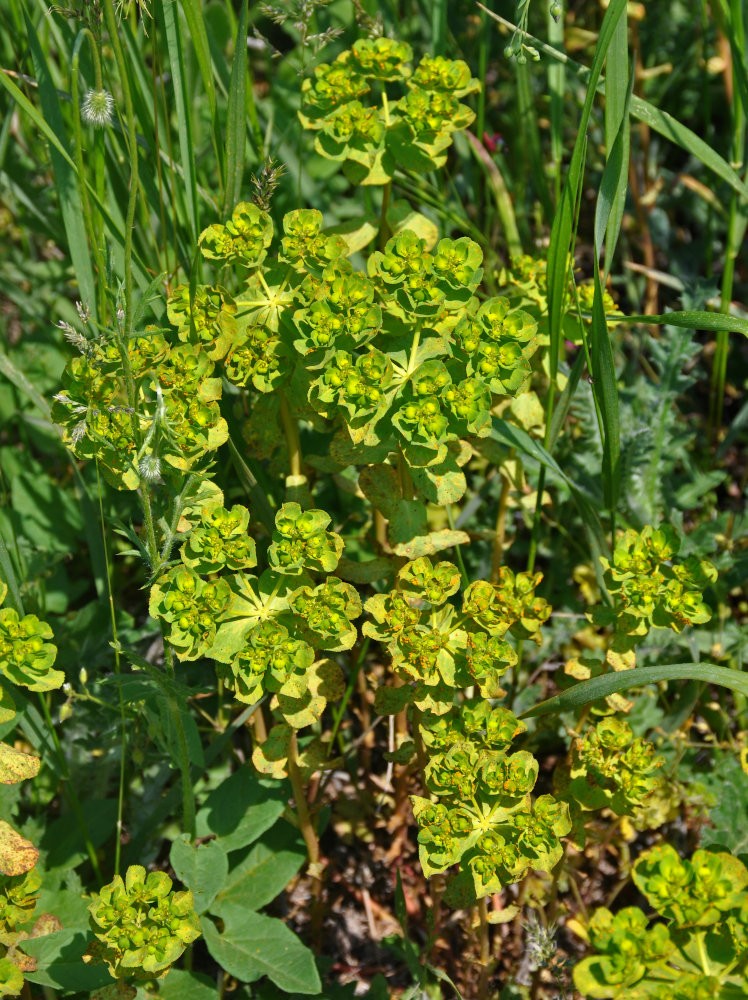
<point>483,817</point>
<point>142,926</point>
<point>701,950</point>
<point>363,123</point>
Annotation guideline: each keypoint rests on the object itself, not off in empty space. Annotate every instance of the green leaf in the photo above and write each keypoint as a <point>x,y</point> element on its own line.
<point>689,495</point>
<point>357,233</point>
<point>600,687</point>
<point>440,484</point>
<point>22,383</point>
<point>202,867</point>
<point>59,962</point>
<point>183,985</point>
<point>729,784</point>
<point>263,874</point>
<point>236,116</point>
<point>12,594</point>
<point>252,946</point>
<point>241,809</point>
<point>427,545</point>
<point>401,216</point>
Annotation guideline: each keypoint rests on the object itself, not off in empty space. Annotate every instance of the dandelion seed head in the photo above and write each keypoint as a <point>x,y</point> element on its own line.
<point>97,108</point>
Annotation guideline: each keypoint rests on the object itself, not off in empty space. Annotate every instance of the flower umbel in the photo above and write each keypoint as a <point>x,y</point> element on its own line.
<point>97,108</point>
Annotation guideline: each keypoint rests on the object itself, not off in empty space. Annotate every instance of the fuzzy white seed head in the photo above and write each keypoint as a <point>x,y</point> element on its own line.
<point>97,108</point>
<point>150,468</point>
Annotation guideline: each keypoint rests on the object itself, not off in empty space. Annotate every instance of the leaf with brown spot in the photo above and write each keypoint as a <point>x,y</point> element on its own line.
<point>7,706</point>
<point>11,979</point>
<point>16,766</point>
<point>115,991</point>
<point>271,757</point>
<point>47,923</point>
<point>17,855</point>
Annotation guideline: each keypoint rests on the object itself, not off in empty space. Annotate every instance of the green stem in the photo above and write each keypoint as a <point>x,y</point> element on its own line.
<point>500,532</point>
<point>338,716</point>
<point>310,839</point>
<point>291,432</point>
<point>188,798</point>
<point>384,227</point>
<point>418,740</point>
<point>178,509</point>
<point>414,351</point>
<point>302,809</point>
<point>704,961</point>
<point>457,548</point>
<point>117,671</point>
<point>485,949</point>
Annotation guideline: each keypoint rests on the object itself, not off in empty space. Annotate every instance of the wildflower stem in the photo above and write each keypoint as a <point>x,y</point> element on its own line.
<point>418,740</point>
<point>309,835</point>
<point>117,671</point>
<point>500,533</point>
<point>485,949</point>
<point>458,550</point>
<point>291,432</point>
<point>384,228</point>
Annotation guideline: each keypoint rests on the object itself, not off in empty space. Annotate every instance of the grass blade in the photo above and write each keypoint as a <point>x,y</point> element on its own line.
<point>531,134</point>
<point>503,199</point>
<point>236,120</point>
<point>605,387</point>
<point>28,109</point>
<point>617,134</point>
<point>170,16</point>
<point>515,437</point>
<point>561,231</point>
<point>65,176</point>
<point>439,26</point>
<point>600,687</point>
<point>8,576</point>
<point>693,319</point>
<point>660,121</point>
<point>194,16</point>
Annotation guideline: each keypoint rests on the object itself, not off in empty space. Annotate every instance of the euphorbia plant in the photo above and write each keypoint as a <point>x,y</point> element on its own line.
<point>383,368</point>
